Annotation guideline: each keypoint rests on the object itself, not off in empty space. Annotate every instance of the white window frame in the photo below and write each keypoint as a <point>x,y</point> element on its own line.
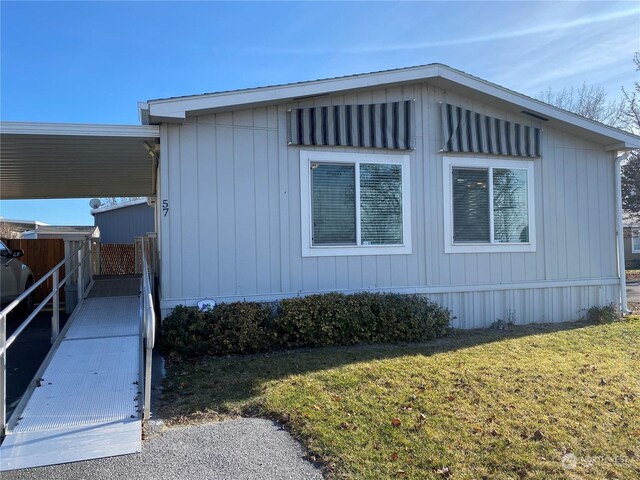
<point>482,247</point>
<point>635,234</point>
<point>310,250</point>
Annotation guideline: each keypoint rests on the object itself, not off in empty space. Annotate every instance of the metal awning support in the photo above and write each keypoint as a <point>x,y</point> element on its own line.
<point>56,160</point>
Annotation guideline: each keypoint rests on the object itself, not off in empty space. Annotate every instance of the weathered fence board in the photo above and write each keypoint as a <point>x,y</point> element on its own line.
<point>40,255</point>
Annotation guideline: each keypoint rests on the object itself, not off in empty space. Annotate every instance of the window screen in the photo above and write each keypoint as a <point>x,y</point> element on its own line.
<point>510,208</point>
<point>470,205</point>
<point>333,204</point>
<point>380,204</point>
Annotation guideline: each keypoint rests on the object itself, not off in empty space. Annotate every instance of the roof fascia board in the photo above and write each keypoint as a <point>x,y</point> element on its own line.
<point>620,147</point>
<point>21,222</point>
<point>79,129</point>
<point>177,107</point>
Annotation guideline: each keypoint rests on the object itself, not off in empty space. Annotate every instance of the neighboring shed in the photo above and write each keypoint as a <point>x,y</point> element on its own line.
<point>123,222</point>
<point>420,180</point>
<point>12,228</point>
<point>64,232</point>
<point>42,252</point>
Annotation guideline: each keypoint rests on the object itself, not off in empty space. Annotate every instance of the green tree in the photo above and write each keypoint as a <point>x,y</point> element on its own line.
<point>631,187</point>
<point>631,168</point>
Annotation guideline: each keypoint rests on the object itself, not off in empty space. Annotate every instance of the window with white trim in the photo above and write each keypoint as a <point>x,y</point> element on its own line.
<point>354,204</point>
<point>489,205</point>
<point>635,241</point>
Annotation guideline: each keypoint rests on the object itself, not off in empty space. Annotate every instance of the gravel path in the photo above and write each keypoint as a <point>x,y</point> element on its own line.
<point>243,449</point>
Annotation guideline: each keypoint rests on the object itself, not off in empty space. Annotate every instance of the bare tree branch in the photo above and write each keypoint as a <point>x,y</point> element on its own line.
<point>589,101</point>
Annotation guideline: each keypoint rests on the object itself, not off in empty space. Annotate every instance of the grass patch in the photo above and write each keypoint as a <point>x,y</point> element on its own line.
<point>481,404</point>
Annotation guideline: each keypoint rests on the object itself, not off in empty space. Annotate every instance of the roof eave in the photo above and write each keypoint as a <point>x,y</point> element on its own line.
<point>175,110</point>
<point>617,139</point>
<point>622,147</point>
<point>79,129</point>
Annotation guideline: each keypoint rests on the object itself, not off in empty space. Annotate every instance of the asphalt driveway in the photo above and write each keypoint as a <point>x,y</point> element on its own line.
<point>633,292</point>
<point>242,449</point>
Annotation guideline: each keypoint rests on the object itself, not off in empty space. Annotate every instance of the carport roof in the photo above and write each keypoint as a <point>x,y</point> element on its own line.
<point>62,160</point>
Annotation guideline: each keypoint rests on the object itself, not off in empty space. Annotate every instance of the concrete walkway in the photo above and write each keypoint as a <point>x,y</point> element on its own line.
<point>243,449</point>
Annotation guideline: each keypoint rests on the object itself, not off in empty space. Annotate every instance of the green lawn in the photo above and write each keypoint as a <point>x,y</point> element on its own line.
<point>481,404</point>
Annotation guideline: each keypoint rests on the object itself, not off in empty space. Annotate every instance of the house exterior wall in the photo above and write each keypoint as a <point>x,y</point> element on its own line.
<point>631,260</point>
<point>233,229</point>
<point>123,224</point>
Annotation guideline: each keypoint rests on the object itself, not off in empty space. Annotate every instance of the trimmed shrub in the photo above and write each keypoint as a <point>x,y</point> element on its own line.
<point>605,314</point>
<point>313,321</point>
<point>239,327</point>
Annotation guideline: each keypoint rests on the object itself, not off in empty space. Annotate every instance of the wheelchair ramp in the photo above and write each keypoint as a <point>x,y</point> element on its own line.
<point>86,404</point>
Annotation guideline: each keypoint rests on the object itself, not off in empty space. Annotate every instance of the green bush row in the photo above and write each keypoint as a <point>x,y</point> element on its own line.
<point>313,321</point>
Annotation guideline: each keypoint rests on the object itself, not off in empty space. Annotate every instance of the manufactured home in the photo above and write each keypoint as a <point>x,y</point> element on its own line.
<point>420,180</point>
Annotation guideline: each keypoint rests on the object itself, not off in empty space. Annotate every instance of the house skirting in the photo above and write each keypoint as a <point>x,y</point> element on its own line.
<point>476,306</point>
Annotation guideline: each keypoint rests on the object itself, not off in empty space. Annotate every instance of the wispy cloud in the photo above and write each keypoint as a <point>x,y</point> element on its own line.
<point>557,27</point>
<point>568,59</point>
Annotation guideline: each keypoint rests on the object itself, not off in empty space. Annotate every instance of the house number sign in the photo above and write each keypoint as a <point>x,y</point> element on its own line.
<point>165,207</point>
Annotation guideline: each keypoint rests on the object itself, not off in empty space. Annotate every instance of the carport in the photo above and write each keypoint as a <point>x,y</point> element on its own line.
<point>56,160</point>
<point>89,398</point>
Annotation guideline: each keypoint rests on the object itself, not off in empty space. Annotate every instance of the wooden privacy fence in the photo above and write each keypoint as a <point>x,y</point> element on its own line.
<point>147,245</point>
<point>117,259</point>
<point>40,255</point>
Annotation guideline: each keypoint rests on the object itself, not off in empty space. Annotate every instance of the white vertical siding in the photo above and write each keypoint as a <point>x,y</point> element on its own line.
<point>233,230</point>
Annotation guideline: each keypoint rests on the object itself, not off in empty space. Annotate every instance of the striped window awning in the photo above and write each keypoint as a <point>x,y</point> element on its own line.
<point>467,131</point>
<point>379,125</point>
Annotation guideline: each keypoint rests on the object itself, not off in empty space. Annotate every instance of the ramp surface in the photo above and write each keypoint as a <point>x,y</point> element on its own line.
<point>87,403</point>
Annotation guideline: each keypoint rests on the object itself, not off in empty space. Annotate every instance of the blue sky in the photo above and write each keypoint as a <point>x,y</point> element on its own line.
<point>92,61</point>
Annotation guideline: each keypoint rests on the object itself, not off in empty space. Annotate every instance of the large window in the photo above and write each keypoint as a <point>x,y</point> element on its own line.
<point>488,205</point>
<point>354,204</point>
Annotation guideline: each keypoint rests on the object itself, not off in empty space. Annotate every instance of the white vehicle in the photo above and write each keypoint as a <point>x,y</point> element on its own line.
<point>15,278</point>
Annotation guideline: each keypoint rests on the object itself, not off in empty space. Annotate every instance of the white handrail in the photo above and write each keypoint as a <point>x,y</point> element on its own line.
<point>149,311</point>
<point>6,310</point>
<point>5,342</point>
<point>148,326</point>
